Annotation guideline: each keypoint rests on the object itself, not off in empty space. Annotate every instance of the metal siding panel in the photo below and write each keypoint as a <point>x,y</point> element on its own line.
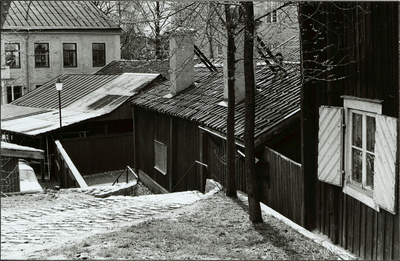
<point>330,145</point>
<point>385,162</point>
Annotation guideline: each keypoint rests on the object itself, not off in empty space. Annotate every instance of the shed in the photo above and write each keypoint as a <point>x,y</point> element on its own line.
<point>95,116</point>
<point>10,156</point>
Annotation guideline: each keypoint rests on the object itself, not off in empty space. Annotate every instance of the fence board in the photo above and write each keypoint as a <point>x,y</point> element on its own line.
<point>286,183</point>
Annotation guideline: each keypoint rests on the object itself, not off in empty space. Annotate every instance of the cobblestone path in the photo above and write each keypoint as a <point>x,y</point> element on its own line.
<point>39,228</point>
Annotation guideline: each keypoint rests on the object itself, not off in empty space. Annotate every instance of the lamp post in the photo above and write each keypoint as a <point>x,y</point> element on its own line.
<point>59,85</point>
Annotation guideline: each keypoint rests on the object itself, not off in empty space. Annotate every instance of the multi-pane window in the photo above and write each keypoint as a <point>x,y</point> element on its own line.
<point>12,53</point>
<point>13,93</point>
<point>362,148</point>
<point>272,16</point>
<point>99,54</point>
<point>69,55</point>
<point>369,142</point>
<point>42,55</point>
<point>160,157</point>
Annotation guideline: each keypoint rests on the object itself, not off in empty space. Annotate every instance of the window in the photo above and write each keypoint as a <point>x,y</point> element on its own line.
<point>362,148</point>
<point>360,120</point>
<point>13,93</point>
<point>42,55</point>
<point>12,52</point>
<point>160,157</point>
<point>272,16</point>
<point>69,54</point>
<point>99,54</point>
<point>368,140</point>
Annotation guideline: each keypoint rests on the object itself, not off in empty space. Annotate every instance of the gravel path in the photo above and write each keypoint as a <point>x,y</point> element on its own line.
<point>25,232</point>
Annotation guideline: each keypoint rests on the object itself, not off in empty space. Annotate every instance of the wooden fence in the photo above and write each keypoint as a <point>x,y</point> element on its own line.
<point>280,178</point>
<point>96,154</point>
<point>9,174</point>
<point>283,188</point>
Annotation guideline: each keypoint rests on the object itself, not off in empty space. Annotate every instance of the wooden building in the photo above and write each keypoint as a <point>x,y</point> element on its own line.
<point>96,120</point>
<point>180,136</point>
<point>10,156</point>
<point>350,117</point>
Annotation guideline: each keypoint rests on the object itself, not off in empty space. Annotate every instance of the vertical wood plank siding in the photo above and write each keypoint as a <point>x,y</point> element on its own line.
<point>101,153</point>
<point>285,193</point>
<point>9,174</point>
<point>366,36</point>
<point>182,139</point>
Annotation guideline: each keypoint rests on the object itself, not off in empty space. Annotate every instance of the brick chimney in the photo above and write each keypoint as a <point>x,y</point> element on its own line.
<point>181,60</point>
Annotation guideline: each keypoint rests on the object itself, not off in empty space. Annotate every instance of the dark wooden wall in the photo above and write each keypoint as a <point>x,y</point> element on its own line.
<point>182,138</point>
<point>361,39</point>
<point>101,153</point>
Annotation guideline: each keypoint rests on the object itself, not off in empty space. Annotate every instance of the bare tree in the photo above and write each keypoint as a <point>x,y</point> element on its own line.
<point>251,181</point>
<point>231,25</point>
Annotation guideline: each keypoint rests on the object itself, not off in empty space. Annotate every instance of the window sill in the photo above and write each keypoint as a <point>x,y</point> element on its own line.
<point>360,194</point>
<point>161,171</point>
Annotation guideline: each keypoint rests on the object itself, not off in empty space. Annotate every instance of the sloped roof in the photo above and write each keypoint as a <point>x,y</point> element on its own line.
<point>276,100</point>
<point>290,49</point>
<point>14,150</point>
<point>41,15</point>
<point>83,97</point>
<point>136,66</point>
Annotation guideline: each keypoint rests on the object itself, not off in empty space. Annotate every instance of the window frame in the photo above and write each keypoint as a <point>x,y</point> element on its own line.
<point>366,107</point>
<point>13,92</point>
<point>17,51</point>
<point>160,153</point>
<point>69,52</point>
<point>98,53</point>
<point>41,55</point>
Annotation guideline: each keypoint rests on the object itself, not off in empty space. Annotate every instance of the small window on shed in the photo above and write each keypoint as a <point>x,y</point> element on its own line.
<point>160,157</point>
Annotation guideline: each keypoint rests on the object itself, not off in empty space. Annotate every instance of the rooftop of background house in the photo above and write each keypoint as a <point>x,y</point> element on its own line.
<point>83,96</point>
<point>42,15</point>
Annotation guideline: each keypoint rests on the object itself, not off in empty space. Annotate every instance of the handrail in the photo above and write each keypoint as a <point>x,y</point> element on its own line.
<point>73,170</point>
<point>127,173</point>
<point>198,162</point>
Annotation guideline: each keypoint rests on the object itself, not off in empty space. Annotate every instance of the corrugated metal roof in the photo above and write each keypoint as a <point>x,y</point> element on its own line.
<point>83,97</point>
<point>276,100</point>
<point>41,15</point>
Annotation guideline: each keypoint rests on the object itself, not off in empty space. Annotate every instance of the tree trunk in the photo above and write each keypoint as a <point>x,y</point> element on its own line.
<point>251,180</point>
<point>230,139</point>
<point>157,32</point>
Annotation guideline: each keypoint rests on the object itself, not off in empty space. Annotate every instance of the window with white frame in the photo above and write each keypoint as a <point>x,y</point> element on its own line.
<point>360,120</point>
<point>160,157</point>
<point>12,53</point>
<point>368,140</point>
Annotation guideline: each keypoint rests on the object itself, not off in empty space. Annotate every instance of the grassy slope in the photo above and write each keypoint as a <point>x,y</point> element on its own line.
<point>215,228</point>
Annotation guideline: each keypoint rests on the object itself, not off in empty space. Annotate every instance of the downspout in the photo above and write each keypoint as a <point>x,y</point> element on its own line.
<point>27,62</point>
